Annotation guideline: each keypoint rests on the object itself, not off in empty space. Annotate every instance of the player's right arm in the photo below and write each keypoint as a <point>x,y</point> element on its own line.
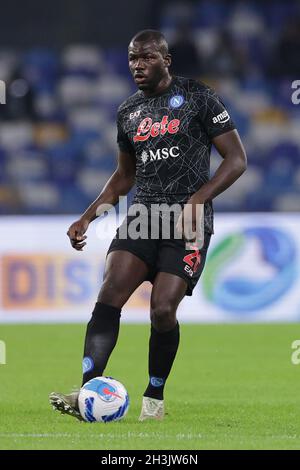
<point>119,184</point>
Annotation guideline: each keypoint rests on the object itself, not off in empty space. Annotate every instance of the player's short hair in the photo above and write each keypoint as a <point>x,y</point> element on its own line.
<point>147,35</point>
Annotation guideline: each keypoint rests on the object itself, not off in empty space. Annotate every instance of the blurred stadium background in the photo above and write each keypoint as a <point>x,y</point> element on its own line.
<point>65,69</point>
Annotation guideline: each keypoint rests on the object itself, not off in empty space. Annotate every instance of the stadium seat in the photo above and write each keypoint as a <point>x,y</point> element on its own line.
<point>66,139</point>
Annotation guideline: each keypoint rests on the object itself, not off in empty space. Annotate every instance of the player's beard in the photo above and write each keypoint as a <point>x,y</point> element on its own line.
<point>151,83</point>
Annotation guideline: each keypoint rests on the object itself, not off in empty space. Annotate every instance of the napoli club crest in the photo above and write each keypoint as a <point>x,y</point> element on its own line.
<point>176,101</point>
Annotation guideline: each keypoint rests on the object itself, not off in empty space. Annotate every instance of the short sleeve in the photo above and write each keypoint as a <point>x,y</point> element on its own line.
<point>122,139</point>
<point>213,114</point>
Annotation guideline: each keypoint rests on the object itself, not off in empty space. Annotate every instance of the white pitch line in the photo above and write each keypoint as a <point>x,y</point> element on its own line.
<point>106,436</point>
<point>36,435</point>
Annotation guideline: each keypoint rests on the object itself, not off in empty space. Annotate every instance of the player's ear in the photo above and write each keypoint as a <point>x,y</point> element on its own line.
<point>168,60</point>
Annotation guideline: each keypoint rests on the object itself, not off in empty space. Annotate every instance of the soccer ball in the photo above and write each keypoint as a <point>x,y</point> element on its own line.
<point>103,399</point>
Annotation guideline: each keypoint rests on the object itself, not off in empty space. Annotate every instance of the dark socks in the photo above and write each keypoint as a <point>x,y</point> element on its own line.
<point>162,352</point>
<point>101,337</point>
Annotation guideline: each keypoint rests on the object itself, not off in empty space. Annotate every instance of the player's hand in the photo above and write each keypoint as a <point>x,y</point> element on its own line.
<point>190,222</point>
<point>76,234</point>
<point>186,223</point>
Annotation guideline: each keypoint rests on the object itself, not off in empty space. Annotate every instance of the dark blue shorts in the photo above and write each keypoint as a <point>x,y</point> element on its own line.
<point>165,255</point>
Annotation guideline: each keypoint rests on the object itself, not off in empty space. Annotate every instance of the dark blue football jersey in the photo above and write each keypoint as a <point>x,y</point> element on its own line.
<point>171,134</point>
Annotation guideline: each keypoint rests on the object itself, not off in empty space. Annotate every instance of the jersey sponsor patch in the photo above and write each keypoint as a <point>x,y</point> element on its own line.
<point>147,128</point>
<point>193,262</point>
<point>160,154</point>
<point>221,118</point>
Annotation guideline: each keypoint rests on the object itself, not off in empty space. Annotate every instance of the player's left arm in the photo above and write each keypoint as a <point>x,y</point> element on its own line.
<point>234,164</point>
<point>221,132</point>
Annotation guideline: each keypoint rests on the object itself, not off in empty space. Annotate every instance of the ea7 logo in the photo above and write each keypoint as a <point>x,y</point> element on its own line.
<point>135,114</point>
<point>221,118</point>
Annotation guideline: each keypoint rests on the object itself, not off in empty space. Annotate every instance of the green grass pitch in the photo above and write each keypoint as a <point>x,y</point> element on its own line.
<point>232,387</point>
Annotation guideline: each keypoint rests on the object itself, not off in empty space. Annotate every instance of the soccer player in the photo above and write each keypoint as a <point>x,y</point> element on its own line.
<point>165,133</point>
